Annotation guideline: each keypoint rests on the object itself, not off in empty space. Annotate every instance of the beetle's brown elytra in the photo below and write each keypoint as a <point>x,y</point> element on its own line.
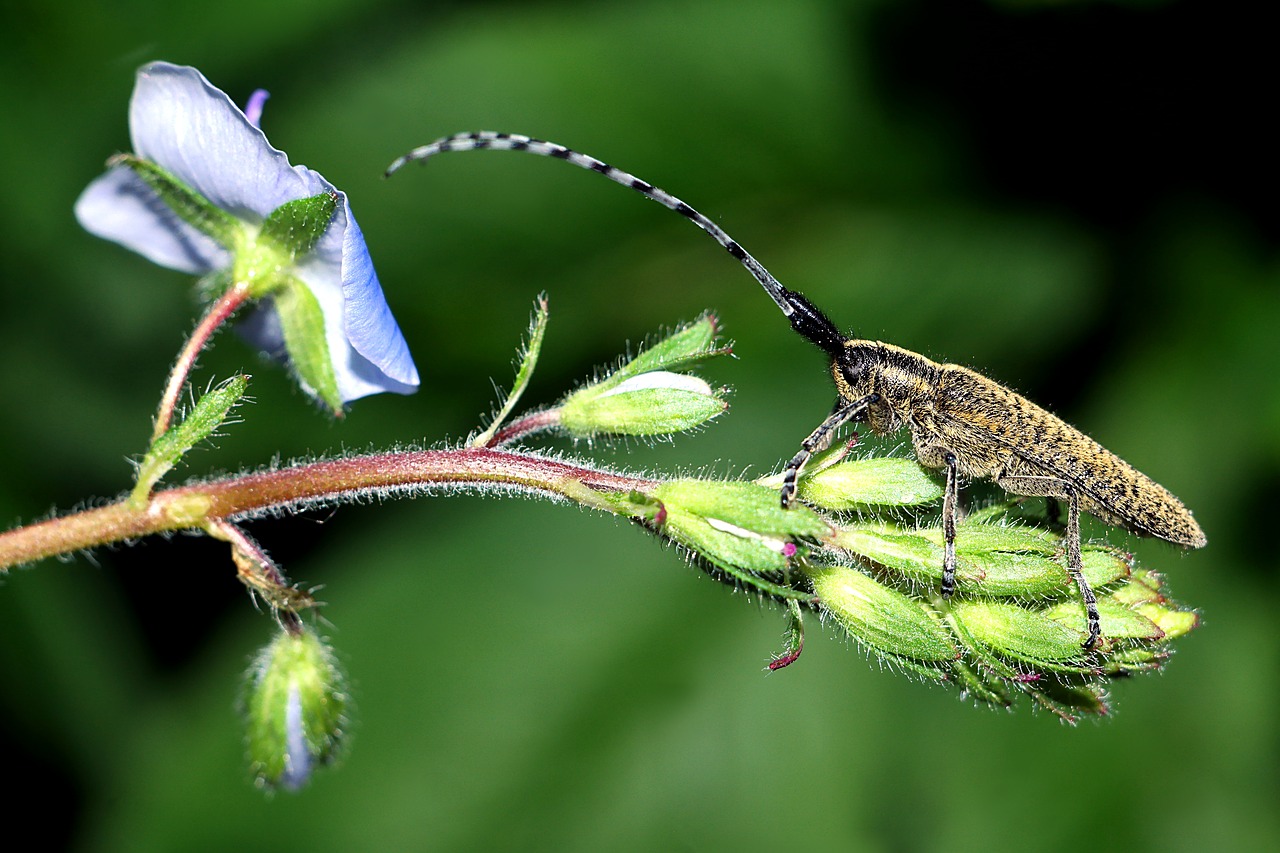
<point>960,421</point>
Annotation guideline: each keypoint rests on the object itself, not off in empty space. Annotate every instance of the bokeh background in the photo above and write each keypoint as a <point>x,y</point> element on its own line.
<point>1075,198</point>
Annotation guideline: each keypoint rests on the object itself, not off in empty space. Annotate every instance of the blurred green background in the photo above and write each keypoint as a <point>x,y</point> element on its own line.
<point>1076,199</point>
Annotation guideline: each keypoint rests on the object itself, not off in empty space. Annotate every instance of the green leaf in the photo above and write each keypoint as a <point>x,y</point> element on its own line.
<point>209,412</point>
<point>528,362</point>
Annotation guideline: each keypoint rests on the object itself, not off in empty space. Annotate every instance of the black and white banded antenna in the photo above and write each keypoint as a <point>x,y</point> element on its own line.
<point>804,317</point>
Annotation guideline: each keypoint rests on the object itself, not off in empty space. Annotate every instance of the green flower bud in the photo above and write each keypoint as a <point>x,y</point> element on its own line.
<point>646,396</point>
<point>1019,633</point>
<point>294,707</point>
<point>862,483</point>
<point>737,527</point>
<point>991,559</point>
<point>654,403</point>
<point>881,618</point>
<point>1144,594</point>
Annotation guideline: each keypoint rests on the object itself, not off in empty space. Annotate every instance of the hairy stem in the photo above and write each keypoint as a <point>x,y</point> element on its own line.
<point>296,486</point>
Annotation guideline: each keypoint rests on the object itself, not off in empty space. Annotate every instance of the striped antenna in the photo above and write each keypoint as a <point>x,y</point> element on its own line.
<point>516,142</point>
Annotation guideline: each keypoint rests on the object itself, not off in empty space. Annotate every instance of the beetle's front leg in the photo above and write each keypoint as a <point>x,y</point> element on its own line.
<point>844,411</point>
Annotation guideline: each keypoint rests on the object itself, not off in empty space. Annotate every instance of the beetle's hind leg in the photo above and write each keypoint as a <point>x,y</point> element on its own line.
<point>1052,487</point>
<point>1075,565</point>
<point>950,497</point>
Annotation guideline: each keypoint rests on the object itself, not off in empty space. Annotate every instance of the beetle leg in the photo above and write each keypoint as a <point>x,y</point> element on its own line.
<point>1054,487</point>
<point>1075,565</point>
<point>949,498</point>
<point>819,438</point>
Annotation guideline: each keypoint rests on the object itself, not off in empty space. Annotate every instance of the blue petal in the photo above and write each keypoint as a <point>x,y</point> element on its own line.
<point>119,206</point>
<point>372,330</point>
<point>297,755</point>
<point>180,121</point>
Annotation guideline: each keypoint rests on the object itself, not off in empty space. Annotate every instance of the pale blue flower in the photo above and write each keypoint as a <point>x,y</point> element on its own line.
<point>181,123</point>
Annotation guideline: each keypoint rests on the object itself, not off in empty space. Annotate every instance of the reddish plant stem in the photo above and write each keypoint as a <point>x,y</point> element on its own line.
<point>195,506</point>
<point>219,312</point>
<point>518,429</point>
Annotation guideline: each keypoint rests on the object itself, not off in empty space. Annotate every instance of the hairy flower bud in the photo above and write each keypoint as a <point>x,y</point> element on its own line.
<point>648,395</point>
<point>294,707</point>
<point>655,403</point>
<point>739,528</point>
<point>859,483</point>
<point>882,619</point>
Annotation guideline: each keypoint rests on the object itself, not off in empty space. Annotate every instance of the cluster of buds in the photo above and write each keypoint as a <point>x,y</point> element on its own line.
<point>1015,624</point>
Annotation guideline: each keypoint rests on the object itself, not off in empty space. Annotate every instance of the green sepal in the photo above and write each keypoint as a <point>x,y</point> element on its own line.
<point>881,618</point>
<point>683,348</point>
<point>302,323</point>
<point>209,413</point>
<point>528,361</point>
<point>631,504</point>
<point>187,204</point>
<point>1136,660</point>
<point>983,684</point>
<point>296,226</point>
<point>792,638</point>
<point>861,483</point>
<point>1067,700</point>
<point>293,665</point>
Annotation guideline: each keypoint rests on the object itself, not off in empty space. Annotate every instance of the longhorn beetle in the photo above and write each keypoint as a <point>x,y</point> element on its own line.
<point>959,420</point>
